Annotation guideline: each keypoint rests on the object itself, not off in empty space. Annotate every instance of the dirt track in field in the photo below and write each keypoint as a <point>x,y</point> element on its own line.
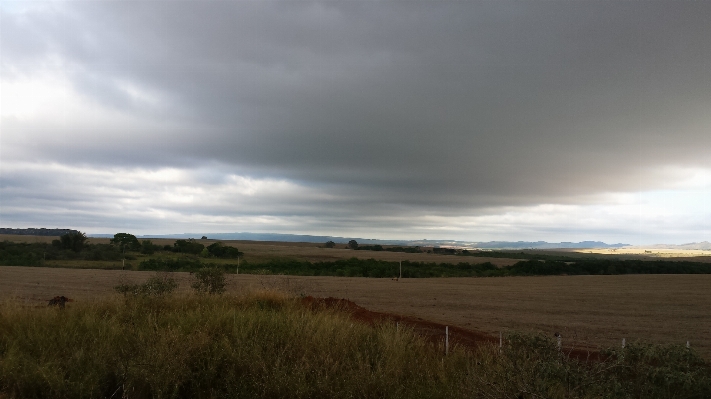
<point>590,310</point>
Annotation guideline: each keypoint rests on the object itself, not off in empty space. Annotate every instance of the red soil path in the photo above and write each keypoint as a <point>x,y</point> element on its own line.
<point>432,332</point>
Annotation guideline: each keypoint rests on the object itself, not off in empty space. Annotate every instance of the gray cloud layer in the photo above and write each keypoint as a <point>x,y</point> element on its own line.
<point>445,108</point>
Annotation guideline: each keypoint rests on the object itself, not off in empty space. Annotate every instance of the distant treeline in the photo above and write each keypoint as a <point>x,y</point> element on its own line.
<point>378,268</point>
<point>35,254</point>
<point>383,269</point>
<point>412,250</point>
<point>192,255</point>
<point>37,232</point>
<point>605,266</point>
<point>74,246</point>
<point>459,252</point>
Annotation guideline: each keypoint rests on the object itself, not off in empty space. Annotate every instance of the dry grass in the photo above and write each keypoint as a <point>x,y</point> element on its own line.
<point>596,310</point>
<point>268,345</point>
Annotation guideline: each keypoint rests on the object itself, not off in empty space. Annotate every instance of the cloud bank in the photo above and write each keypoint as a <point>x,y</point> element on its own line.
<point>559,121</point>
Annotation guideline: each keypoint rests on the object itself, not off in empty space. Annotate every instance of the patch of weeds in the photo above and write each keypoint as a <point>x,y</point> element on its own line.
<point>209,280</point>
<point>158,285</point>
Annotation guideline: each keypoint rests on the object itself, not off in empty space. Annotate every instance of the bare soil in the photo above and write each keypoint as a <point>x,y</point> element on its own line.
<point>589,311</point>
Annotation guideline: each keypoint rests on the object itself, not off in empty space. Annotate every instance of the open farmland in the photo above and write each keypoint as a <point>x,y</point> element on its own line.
<point>594,310</point>
<point>264,251</point>
<point>695,255</point>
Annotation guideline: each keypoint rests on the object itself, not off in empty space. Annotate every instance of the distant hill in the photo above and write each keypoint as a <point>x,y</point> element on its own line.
<point>37,232</point>
<point>702,246</point>
<point>366,241</point>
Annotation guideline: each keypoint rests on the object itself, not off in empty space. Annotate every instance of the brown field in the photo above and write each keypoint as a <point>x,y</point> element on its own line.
<point>694,255</point>
<point>592,310</point>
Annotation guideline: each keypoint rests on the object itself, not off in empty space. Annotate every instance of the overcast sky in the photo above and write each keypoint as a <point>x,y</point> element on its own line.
<point>468,120</point>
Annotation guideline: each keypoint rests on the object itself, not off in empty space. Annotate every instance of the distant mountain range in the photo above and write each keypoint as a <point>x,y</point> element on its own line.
<point>545,245</point>
<point>422,243</point>
<point>702,246</point>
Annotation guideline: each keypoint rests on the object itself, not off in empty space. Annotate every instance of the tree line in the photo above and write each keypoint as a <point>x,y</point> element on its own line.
<point>384,269</point>
<point>76,246</point>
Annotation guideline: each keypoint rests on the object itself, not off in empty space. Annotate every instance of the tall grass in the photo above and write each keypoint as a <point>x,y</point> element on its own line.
<point>269,346</point>
<point>260,346</point>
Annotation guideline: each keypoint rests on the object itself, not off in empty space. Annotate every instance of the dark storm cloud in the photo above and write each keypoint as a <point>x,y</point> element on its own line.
<point>443,107</point>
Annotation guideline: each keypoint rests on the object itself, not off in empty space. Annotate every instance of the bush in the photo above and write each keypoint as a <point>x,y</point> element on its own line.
<point>158,285</point>
<point>210,280</point>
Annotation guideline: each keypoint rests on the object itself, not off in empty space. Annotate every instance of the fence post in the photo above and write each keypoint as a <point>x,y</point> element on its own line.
<point>446,340</point>
<point>687,345</point>
<point>623,343</point>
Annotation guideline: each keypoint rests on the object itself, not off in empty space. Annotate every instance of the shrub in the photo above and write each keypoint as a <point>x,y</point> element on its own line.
<point>158,285</point>
<point>210,280</point>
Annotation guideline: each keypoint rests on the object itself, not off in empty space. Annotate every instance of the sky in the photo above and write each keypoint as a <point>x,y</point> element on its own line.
<point>461,120</point>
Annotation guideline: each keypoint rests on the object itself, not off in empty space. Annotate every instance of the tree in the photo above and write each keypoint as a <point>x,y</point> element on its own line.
<point>125,241</point>
<point>188,246</point>
<point>219,250</point>
<point>71,241</point>
<point>330,244</point>
<point>148,248</point>
<point>353,244</point>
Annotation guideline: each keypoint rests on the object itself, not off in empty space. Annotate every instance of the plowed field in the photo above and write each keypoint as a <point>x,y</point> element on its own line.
<point>588,310</point>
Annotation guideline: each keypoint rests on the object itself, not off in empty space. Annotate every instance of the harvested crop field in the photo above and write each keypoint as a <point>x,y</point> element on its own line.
<point>591,310</point>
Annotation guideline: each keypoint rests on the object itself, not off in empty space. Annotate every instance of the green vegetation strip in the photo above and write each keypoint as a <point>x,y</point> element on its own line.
<point>187,255</point>
<point>269,346</point>
<point>378,268</point>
